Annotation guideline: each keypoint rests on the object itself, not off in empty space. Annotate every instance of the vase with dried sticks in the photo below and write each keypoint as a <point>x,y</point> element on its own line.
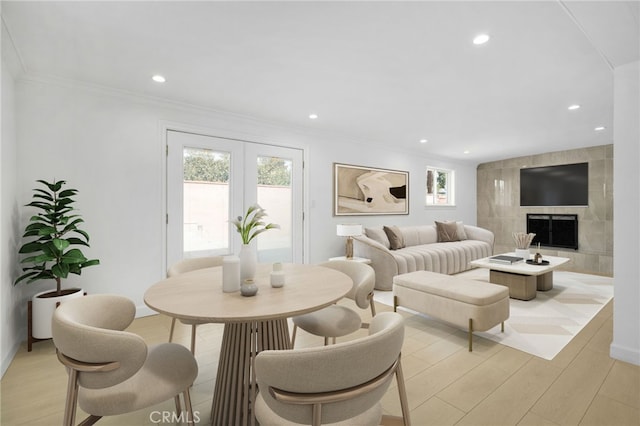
<point>523,241</point>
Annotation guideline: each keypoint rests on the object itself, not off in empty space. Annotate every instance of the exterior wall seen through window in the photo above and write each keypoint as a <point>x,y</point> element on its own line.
<point>440,187</point>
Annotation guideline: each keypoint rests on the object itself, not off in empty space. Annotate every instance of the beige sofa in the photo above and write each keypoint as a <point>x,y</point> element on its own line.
<point>422,251</point>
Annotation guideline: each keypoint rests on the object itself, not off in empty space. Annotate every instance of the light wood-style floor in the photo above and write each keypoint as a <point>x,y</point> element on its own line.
<point>446,385</point>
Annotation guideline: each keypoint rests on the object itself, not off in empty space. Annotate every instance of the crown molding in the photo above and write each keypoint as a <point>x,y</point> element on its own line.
<point>236,118</point>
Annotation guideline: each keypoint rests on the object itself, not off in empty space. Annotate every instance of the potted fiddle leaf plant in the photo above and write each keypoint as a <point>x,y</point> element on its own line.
<point>51,252</point>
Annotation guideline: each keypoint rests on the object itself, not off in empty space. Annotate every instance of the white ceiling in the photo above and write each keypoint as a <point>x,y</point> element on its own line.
<point>386,73</point>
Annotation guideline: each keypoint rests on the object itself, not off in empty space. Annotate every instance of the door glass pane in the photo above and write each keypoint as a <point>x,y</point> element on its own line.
<point>274,194</point>
<point>206,201</point>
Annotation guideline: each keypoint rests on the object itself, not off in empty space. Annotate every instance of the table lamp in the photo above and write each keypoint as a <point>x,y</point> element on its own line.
<point>349,231</point>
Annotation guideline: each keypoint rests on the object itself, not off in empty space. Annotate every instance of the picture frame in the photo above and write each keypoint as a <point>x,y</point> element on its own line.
<point>360,190</point>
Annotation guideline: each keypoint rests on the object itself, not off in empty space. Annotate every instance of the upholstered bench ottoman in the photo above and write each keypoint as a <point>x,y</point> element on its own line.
<point>470,304</point>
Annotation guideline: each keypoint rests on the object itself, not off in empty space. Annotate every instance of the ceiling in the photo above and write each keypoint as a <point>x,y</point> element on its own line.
<point>383,73</point>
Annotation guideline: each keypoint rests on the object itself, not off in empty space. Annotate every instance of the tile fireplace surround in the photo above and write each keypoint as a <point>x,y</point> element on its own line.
<point>498,192</point>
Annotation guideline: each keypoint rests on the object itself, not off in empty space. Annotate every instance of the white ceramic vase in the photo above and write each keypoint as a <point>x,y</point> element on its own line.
<point>230,274</point>
<point>277,275</point>
<point>248,262</point>
<point>248,288</point>
<point>523,253</point>
<point>43,308</point>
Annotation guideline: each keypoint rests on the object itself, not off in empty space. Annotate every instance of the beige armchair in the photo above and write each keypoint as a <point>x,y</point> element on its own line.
<point>337,320</point>
<point>112,371</point>
<point>339,384</point>
<point>186,265</point>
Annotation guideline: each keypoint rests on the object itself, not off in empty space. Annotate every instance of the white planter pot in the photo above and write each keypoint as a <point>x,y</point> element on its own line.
<point>42,311</point>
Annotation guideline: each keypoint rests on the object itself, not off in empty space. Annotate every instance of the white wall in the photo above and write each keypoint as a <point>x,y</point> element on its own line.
<point>109,146</point>
<point>11,308</point>
<point>626,178</point>
<point>322,156</point>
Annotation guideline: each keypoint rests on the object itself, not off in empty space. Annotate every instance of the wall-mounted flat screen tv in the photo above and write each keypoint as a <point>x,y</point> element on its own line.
<point>562,185</point>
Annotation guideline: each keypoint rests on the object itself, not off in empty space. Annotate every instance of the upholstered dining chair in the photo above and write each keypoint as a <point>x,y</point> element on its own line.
<point>340,384</point>
<point>112,371</point>
<point>186,265</point>
<point>338,320</point>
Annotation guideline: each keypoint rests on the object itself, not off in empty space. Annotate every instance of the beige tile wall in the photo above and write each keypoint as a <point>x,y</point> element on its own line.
<point>499,205</point>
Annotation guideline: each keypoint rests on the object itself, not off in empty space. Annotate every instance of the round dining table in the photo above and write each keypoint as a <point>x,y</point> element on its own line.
<point>251,324</point>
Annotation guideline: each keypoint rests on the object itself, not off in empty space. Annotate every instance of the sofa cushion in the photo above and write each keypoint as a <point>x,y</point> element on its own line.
<point>445,258</point>
<point>417,235</point>
<point>462,235</point>
<point>378,235</point>
<point>447,232</point>
<point>396,239</point>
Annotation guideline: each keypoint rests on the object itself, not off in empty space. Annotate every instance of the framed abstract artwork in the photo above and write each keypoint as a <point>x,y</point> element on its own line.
<point>362,190</point>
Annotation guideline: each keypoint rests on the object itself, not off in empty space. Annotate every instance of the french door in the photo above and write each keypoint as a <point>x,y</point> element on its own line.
<point>212,180</point>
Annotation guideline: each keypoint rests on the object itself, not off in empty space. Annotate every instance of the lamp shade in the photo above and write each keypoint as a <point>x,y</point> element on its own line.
<point>348,230</point>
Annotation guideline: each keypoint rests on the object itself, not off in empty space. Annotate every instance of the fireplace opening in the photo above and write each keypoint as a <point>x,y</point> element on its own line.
<point>554,230</point>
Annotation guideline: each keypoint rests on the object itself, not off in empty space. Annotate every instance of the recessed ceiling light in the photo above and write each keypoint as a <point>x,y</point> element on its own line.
<point>599,128</point>
<point>313,116</point>
<point>481,39</point>
<point>574,106</point>
<point>158,78</point>
<point>466,151</point>
<point>423,141</point>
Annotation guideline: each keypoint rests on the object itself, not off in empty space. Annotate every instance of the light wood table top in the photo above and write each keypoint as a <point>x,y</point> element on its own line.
<point>198,294</point>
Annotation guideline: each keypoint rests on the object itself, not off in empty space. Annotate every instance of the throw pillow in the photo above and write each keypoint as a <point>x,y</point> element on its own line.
<point>378,235</point>
<point>447,232</point>
<point>462,235</point>
<point>396,240</point>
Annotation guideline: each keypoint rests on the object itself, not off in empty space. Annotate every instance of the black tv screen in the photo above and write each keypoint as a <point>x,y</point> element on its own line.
<point>563,185</point>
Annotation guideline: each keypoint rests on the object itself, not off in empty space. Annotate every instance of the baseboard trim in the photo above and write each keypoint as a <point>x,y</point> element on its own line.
<point>625,354</point>
<point>6,361</point>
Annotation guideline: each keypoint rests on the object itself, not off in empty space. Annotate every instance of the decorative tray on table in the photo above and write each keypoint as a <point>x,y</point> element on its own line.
<point>531,262</point>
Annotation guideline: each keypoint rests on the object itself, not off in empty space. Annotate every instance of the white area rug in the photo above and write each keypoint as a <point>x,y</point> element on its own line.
<point>544,325</point>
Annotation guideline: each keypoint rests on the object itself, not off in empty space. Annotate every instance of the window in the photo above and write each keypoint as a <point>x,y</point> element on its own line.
<point>440,187</point>
<point>205,201</point>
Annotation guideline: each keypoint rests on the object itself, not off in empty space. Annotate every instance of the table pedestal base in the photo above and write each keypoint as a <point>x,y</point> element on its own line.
<point>545,281</point>
<point>521,286</point>
<point>236,387</point>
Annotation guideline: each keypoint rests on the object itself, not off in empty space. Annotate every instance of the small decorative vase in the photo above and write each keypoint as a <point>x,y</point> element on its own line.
<point>277,276</point>
<point>538,257</point>
<point>248,262</point>
<point>230,274</point>
<point>248,288</point>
